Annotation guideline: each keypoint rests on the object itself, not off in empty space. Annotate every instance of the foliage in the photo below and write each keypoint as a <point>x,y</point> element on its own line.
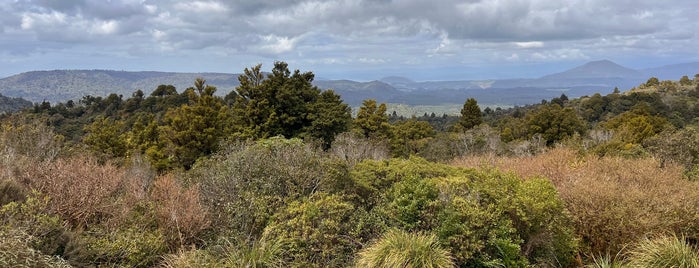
<point>105,136</point>
<point>194,131</point>
<point>483,218</point>
<point>353,148</point>
<point>248,182</point>
<point>471,115</point>
<point>31,218</point>
<point>286,104</point>
<point>554,123</point>
<point>613,201</point>
<point>178,210</point>
<point>372,120</point>
<point>79,189</point>
<point>130,246</point>
<point>16,251</point>
<point>401,249</point>
<point>330,117</point>
<point>319,231</point>
<point>667,251</point>
<point>410,137</point>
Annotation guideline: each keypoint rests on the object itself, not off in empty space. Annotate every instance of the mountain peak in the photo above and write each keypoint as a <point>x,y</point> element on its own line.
<point>596,69</point>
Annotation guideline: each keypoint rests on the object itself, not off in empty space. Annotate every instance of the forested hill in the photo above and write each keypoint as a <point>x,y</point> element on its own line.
<point>587,79</point>
<point>62,85</point>
<point>9,105</point>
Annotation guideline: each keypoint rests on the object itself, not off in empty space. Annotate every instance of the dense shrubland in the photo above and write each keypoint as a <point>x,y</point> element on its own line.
<point>279,174</point>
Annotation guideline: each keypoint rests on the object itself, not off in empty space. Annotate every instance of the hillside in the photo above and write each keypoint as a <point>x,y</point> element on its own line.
<point>9,105</point>
<point>592,77</point>
<point>62,85</point>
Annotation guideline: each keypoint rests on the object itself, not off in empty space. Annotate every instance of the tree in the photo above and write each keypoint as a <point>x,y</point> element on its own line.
<point>194,131</point>
<point>409,137</point>
<point>685,81</point>
<point>329,117</point>
<point>471,115</point>
<point>106,136</point>
<point>372,120</point>
<point>554,123</point>
<point>652,82</point>
<point>286,104</point>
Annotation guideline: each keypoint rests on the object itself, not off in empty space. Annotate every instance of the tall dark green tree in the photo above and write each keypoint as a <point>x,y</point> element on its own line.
<point>554,123</point>
<point>471,115</point>
<point>195,130</point>
<point>287,104</point>
<point>330,117</point>
<point>372,120</point>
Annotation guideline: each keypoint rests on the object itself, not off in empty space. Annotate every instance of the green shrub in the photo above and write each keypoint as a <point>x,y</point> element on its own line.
<point>131,247</point>
<point>245,184</point>
<point>16,250</point>
<point>402,249</point>
<point>410,204</point>
<point>482,217</point>
<point>33,218</point>
<point>12,191</point>
<point>373,178</point>
<point>320,231</point>
<point>668,251</point>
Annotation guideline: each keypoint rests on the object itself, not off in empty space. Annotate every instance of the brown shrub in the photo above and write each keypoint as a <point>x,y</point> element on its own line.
<point>613,201</point>
<point>80,190</point>
<point>178,211</point>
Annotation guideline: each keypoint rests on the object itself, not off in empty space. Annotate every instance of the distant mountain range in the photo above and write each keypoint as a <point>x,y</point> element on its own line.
<point>597,76</point>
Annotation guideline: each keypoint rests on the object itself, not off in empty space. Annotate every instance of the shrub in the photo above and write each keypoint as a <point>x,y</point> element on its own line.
<point>130,246</point>
<point>11,191</point>
<point>80,190</point>
<point>373,178</point>
<point>16,251</point>
<point>667,251</point>
<point>246,183</point>
<point>31,217</point>
<point>178,211</point>
<point>319,231</point>
<point>354,149</point>
<point>613,202</point>
<point>482,217</point>
<point>401,249</point>
<point>261,253</point>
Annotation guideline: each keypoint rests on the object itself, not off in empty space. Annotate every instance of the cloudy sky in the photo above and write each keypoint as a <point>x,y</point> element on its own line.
<point>353,39</point>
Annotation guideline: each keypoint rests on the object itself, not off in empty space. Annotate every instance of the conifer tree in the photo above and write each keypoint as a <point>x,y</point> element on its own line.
<point>471,115</point>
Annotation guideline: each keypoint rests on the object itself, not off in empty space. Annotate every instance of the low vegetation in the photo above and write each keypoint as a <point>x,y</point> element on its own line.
<point>280,174</point>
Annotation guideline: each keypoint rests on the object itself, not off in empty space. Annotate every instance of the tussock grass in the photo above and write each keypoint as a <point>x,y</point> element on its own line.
<point>401,249</point>
<point>665,251</point>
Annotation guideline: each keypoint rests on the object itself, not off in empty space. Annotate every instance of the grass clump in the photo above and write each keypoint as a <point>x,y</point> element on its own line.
<point>402,249</point>
<point>666,251</point>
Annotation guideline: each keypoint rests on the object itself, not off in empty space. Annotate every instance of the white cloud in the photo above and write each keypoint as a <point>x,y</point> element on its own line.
<point>273,44</point>
<point>531,44</point>
<point>202,7</point>
<point>356,32</point>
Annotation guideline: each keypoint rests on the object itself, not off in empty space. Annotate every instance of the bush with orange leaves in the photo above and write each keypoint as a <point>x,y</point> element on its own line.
<point>613,201</point>
<point>80,190</point>
<point>178,210</point>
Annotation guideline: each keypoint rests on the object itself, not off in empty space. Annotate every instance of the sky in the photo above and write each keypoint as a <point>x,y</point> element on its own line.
<point>347,39</point>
